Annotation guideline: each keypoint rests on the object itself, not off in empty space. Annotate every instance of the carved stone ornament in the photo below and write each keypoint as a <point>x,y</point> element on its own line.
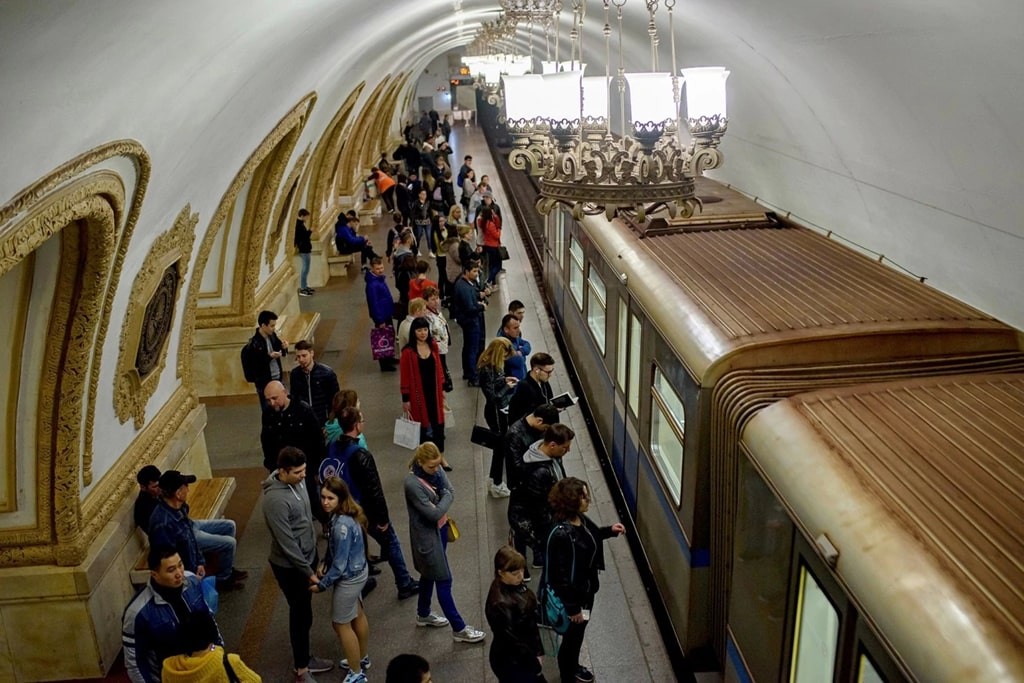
<point>83,205</point>
<point>294,118</point>
<point>325,158</point>
<point>147,322</point>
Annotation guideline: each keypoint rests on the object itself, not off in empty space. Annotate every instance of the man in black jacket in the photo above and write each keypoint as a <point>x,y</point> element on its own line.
<point>528,511</point>
<point>261,357</point>
<point>535,390</point>
<point>288,422</point>
<point>523,434</point>
<point>359,470</point>
<point>304,245</point>
<point>315,383</point>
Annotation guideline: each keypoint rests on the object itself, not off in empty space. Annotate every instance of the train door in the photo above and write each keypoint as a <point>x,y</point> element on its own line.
<point>626,430</point>
<point>554,261</point>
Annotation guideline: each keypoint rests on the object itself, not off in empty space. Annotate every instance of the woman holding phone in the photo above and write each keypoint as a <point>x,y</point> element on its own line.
<point>498,391</point>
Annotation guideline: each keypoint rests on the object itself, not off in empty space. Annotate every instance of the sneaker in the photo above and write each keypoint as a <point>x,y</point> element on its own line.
<point>228,585</point>
<point>537,564</point>
<point>305,292</point>
<point>354,677</point>
<point>304,678</point>
<point>371,583</point>
<point>584,675</point>
<point>364,663</point>
<point>499,491</point>
<point>435,620</point>
<point>470,635</point>
<point>405,592</point>
<point>318,666</point>
<point>239,574</point>
<point>527,578</point>
<point>374,571</point>
<point>310,290</point>
<point>433,255</point>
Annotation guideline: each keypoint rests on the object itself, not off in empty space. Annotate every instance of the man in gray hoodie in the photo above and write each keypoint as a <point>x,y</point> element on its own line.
<point>528,512</point>
<point>293,557</point>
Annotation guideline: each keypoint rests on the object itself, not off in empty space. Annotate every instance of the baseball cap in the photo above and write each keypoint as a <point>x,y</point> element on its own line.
<point>172,480</point>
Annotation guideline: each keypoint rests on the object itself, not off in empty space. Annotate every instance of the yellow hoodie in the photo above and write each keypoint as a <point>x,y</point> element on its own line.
<point>206,667</point>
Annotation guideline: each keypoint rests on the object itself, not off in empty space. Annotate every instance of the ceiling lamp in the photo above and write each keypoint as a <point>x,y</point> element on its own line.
<point>584,166</point>
<point>536,11</point>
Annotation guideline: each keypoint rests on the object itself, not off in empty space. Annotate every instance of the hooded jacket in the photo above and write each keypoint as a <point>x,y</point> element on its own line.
<point>378,298</point>
<point>288,515</point>
<point>208,667</point>
<point>529,498</point>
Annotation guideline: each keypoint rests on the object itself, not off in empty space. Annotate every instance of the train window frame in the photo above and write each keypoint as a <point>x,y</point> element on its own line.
<point>664,402</point>
<point>597,301</point>
<point>556,236</point>
<point>805,572</point>
<point>577,262</point>
<point>621,353</point>
<point>636,330</point>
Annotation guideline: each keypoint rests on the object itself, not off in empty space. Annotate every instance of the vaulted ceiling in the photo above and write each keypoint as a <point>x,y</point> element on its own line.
<point>895,123</point>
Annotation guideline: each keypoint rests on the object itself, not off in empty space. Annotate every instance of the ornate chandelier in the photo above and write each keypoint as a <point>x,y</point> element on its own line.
<point>560,124</point>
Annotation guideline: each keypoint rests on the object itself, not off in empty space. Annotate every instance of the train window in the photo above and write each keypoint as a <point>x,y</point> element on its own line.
<point>667,430</point>
<point>556,235</point>
<point>623,344</point>
<point>576,271</point>
<point>596,307</point>
<point>633,394</point>
<point>816,640</point>
<point>866,671</point>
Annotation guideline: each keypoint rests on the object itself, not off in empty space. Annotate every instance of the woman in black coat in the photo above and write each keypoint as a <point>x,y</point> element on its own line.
<point>511,611</point>
<point>497,389</point>
<point>575,555</point>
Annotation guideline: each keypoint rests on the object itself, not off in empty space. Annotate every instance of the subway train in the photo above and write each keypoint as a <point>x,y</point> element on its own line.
<point>821,456</point>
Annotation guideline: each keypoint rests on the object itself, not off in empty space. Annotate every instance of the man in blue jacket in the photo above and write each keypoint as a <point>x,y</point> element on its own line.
<point>153,619</point>
<point>468,310</point>
<point>170,526</point>
<point>516,365</point>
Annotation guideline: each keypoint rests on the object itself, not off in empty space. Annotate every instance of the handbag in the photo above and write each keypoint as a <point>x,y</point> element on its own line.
<point>453,530</point>
<point>553,613</point>
<point>503,251</point>
<point>482,436</point>
<point>382,342</point>
<point>407,433</point>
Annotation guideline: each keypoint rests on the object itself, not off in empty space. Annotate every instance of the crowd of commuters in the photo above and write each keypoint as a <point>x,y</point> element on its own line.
<point>323,498</point>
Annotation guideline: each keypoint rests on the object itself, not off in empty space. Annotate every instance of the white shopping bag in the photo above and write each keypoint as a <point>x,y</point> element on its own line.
<point>407,433</point>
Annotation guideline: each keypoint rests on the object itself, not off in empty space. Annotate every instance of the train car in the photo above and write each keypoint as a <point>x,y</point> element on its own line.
<point>880,535</point>
<point>681,331</point>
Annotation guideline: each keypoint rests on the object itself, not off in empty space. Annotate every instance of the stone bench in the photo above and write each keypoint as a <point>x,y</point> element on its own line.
<point>207,499</point>
<point>299,326</point>
<point>338,264</point>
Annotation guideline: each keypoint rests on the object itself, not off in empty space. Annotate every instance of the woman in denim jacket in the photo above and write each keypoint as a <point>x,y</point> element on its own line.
<point>346,569</point>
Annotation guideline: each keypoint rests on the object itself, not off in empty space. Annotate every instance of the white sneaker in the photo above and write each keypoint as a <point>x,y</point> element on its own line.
<point>499,491</point>
<point>431,619</point>
<point>469,635</point>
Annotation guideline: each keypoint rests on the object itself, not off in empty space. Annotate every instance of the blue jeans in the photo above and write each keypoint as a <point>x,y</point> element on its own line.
<point>391,550</point>
<point>304,273</point>
<point>471,338</point>
<point>217,537</point>
<point>424,233</point>
<point>444,592</point>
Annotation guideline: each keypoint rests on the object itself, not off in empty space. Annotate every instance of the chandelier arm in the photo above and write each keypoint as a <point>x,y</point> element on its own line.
<point>622,70</point>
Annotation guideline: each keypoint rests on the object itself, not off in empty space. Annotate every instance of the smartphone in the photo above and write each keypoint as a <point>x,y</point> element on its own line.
<point>586,614</point>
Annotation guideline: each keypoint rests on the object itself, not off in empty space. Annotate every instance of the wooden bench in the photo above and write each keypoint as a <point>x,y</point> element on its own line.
<point>298,326</point>
<point>207,499</point>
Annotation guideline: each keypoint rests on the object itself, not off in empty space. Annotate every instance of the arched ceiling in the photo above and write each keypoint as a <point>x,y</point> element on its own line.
<point>895,123</point>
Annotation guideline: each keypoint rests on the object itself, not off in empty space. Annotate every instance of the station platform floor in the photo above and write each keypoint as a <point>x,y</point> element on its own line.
<point>623,642</point>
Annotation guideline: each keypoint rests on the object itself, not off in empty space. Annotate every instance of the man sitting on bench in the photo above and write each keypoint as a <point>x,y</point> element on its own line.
<point>348,242</point>
<point>170,525</point>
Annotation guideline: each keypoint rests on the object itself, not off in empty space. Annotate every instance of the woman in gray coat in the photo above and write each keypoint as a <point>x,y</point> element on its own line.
<point>428,495</point>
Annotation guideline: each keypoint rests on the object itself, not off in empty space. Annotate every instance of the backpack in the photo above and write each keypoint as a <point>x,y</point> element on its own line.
<point>336,465</point>
<point>249,364</point>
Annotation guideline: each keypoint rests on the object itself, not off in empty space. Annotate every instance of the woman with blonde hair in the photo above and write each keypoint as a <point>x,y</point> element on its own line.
<point>429,496</point>
<point>345,567</point>
<point>498,391</point>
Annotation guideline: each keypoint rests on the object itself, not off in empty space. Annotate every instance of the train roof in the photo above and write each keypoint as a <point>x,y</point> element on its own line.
<point>744,293</point>
<point>918,485</point>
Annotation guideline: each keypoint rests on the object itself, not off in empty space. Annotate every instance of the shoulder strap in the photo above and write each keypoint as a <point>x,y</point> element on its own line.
<point>232,676</point>
<point>547,553</point>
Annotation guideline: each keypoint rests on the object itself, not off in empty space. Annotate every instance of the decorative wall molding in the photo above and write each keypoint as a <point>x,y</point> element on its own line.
<point>326,158</point>
<point>145,330</point>
<point>348,168</point>
<point>281,225</point>
<point>296,117</point>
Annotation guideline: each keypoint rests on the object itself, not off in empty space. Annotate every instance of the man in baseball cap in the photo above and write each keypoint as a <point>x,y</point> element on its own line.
<point>170,525</point>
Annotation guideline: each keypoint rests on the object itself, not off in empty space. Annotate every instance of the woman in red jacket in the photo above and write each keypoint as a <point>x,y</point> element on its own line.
<point>421,377</point>
<point>488,222</point>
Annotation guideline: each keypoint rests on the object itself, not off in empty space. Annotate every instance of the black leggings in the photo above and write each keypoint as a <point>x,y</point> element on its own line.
<point>497,422</point>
